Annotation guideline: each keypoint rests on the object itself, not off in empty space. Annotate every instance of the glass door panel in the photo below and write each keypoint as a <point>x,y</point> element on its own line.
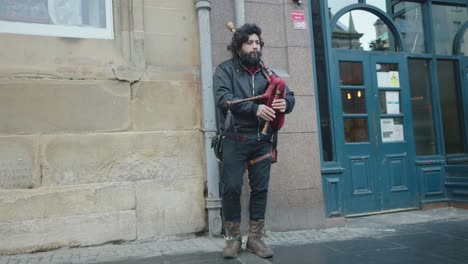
<point>353,101</point>
<point>351,73</point>
<point>388,88</point>
<point>356,130</point>
<point>389,102</point>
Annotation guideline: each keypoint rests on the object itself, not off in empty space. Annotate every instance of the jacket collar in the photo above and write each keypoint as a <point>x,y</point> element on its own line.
<point>241,67</point>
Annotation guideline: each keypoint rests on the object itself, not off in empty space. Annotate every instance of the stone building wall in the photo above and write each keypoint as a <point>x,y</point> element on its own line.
<point>100,139</point>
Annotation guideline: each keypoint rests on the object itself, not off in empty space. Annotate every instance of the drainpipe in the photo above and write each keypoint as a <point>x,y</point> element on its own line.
<point>213,201</point>
<point>239,11</point>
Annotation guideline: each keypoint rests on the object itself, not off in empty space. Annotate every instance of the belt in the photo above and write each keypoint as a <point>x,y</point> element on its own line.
<point>246,137</point>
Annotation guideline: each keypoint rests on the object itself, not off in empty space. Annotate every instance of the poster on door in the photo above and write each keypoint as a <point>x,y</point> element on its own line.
<point>388,79</point>
<point>392,101</point>
<point>390,131</point>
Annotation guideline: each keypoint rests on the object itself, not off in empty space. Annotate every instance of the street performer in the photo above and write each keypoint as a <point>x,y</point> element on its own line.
<point>238,78</point>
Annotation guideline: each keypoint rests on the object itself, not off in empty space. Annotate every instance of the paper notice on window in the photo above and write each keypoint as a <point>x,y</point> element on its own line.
<point>398,133</point>
<point>390,131</point>
<point>394,79</point>
<point>392,100</point>
<point>388,79</point>
<point>387,128</point>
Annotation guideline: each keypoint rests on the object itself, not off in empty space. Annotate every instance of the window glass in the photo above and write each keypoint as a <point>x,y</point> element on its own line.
<point>451,108</point>
<point>421,104</point>
<point>464,44</point>
<point>335,6</point>
<point>382,4</point>
<point>361,30</point>
<point>356,130</point>
<point>351,73</point>
<point>353,101</point>
<point>66,18</point>
<point>446,22</point>
<point>409,18</point>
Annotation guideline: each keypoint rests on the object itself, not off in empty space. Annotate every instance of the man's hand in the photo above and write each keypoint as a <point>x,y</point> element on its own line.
<point>279,104</point>
<point>265,112</point>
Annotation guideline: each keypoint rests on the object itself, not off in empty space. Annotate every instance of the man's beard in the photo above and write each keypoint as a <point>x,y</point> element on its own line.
<point>249,60</point>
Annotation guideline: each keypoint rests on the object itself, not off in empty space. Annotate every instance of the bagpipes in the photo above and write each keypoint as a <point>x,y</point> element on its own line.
<point>276,90</point>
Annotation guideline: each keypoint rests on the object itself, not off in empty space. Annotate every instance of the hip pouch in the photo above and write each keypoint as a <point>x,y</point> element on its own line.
<point>217,146</point>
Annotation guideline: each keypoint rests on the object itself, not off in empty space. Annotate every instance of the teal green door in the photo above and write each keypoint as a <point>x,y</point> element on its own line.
<point>373,132</point>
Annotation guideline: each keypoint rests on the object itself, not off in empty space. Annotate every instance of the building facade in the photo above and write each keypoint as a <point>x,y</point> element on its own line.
<point>392,110</point>
<point>106,115</point>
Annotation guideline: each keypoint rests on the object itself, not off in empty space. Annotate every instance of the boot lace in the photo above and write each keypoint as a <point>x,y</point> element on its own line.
<point>260,231</point>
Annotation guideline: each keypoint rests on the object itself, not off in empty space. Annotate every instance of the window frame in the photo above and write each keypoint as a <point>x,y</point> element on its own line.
<point>23,28</point>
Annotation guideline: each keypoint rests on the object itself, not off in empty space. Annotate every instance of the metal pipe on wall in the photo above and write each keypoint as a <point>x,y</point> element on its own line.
<point>213,200</point>
<point>239,10</point>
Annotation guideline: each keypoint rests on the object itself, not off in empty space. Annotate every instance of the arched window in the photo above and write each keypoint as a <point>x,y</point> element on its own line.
<point>362,30</point>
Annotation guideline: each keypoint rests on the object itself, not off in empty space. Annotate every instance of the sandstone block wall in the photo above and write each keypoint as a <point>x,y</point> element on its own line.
<point>100,139</point>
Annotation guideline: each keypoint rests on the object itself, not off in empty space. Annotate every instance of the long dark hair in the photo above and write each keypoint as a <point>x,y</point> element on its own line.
<point>241,36</point>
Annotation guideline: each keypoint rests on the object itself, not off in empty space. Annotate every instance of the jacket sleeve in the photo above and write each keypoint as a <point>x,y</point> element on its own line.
<point>290,100</point>
<point>222,84</point>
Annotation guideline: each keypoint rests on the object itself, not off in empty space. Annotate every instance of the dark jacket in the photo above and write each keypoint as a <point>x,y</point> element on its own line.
<point>232,81</point>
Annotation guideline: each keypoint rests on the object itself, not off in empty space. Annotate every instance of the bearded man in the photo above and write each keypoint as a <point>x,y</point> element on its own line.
<point>238,78</point>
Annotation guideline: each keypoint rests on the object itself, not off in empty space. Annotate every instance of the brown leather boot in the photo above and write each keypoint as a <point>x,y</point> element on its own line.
<point>255,244</point>
<point>233,240</point>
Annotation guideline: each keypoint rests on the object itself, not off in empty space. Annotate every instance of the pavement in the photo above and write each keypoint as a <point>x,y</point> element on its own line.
<point>422,236</point>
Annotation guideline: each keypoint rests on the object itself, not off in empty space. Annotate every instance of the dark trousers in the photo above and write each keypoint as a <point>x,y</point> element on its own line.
<point>235,155</point>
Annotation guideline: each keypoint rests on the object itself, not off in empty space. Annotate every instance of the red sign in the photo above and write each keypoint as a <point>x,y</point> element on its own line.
<point>297,15</point>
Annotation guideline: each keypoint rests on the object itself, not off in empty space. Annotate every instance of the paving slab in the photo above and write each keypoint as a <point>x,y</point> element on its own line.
<point>416,237</point>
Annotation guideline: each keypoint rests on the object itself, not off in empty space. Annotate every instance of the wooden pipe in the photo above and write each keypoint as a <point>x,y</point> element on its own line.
<point>238,101</point>
<point>230,26</point>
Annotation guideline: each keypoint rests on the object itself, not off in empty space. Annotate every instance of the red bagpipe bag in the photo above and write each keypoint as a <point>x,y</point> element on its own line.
<point>276,90</point>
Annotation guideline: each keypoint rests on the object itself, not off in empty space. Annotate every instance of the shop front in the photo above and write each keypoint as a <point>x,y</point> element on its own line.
<point>392,95</point>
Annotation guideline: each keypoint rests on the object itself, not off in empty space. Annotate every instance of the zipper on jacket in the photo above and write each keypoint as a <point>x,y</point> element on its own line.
<point>258,118</point>
<point>253,85</point>
<point>253,94</point>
